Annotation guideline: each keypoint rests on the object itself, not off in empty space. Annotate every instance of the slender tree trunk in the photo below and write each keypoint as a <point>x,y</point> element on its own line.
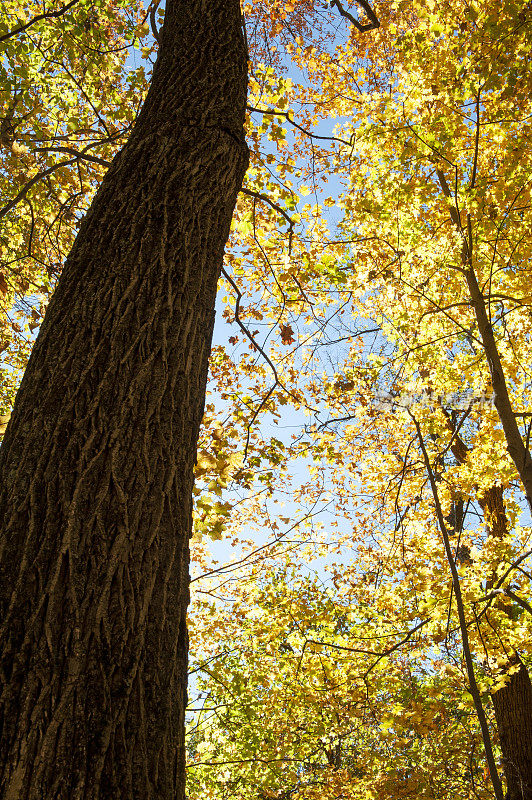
<point>513,702</point>
<point>96,466</point>
<point>513,712</point>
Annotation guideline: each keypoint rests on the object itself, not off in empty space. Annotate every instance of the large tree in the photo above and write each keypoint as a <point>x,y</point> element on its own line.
<point>97,462</point>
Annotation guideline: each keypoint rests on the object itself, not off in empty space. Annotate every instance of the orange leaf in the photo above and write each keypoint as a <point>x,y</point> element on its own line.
<point>287,334</point>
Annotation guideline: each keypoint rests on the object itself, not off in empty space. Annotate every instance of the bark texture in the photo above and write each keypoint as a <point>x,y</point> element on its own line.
<point>513,702</point>
<point>513,712</point>
<point>96,467</point>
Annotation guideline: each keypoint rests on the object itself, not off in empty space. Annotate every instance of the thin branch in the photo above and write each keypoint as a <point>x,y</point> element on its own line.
<point>519,453</point>
<point>79,154</point>
<point>200,667</point>
<point>254,759</point>
<point>382,654</point>
<point>455,216</point>
<point>266,199</point>
<point>153,23</point>
<point>516,448</point>
<point>265,356</point>
<point>519,600</point>
<point>38,18</point>
<point>477,134</point>
<point>246,560</point>
<point>456,444</point>
<point>286,114</point>
<point>370,13</point>
<point>12,203</point>
<point>496,592</point>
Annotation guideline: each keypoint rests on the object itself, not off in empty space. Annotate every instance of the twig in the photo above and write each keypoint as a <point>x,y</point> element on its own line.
<point>246,560</point>
<point>213,658</point>
<point>265,356</point>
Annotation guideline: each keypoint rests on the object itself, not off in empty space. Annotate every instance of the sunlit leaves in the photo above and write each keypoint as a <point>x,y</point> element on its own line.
<point>350,316</point>
<point>68,100</point>
<point>384,330</point>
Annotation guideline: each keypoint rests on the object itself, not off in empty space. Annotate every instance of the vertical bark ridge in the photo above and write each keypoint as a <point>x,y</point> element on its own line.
<point>513,712</point>
<point>512,702</point>
<point>96,466</point>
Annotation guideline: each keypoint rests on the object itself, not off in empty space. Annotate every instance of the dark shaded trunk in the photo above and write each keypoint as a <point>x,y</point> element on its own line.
<point>96,467</point>
<point>513,712</point>
<point>513,702</point>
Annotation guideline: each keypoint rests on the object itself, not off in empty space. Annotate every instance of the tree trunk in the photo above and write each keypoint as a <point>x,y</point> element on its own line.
<point>513,702</point>
<point>96,466</point>
<point>513,712</point>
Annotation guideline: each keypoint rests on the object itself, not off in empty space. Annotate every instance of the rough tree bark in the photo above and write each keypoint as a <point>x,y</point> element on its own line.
<point>513,702</point>
<point>513,712</point>
<point>96,464</point>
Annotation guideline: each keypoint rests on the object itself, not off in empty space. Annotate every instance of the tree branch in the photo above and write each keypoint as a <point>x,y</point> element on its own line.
<point>71,151</point>
<point>519,600</point>
<point>373,21</point>
<point>265,356</point>
<point>38,18</point>
<point>153,23</point>
<point>519,453</point>
<point>286,114</point>
<point>12,203</point>
<point>266,199</point>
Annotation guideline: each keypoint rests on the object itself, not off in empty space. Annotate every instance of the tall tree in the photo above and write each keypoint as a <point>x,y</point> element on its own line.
<point>96,464</point>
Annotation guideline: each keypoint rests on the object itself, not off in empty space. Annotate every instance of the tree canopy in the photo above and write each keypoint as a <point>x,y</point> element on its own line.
<point>364,457</point>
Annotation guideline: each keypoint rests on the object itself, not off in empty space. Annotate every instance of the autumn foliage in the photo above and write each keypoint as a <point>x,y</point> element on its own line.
<point>365,450</point>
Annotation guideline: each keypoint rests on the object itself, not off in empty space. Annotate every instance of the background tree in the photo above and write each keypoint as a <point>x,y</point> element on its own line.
<point>310,696</point>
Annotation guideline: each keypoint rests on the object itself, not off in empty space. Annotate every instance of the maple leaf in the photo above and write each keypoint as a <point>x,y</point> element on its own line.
<point>287,334</point>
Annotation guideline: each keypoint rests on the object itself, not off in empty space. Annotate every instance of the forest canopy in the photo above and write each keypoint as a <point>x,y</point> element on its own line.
<point>360,622</point>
